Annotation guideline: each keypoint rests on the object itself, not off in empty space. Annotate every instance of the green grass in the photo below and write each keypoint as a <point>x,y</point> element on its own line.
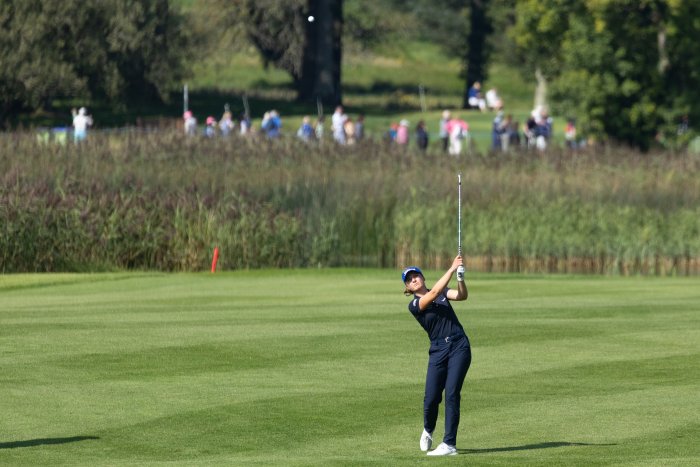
<point>383,85</point>
<point>326,368</point>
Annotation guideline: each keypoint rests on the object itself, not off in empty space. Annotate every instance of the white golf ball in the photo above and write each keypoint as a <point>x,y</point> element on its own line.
<point>311,19</point>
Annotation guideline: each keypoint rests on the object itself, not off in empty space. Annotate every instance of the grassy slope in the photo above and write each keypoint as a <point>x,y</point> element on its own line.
<point>294,368</point>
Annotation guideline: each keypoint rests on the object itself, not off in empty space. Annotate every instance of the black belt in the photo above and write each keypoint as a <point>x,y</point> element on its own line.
<point>448,339</point>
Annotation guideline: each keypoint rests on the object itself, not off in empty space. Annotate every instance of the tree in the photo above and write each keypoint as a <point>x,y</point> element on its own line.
<point>323,53</point>
<point>477,52</point>
<point>118,50</point>
<point>276,29</point>
<point>36,62</point>
<point>310,51</point>
<point>147,47</point>
<point>462,27</point>
<point>626,69</point>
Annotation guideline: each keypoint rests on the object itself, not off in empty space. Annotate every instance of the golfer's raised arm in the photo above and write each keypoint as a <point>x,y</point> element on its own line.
<point>460,293</point>
<point>440,285</point>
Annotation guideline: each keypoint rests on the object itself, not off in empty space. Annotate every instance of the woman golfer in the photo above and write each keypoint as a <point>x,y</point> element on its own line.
<point>449,356</point>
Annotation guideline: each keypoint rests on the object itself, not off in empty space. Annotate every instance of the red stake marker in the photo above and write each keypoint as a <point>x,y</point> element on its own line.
<point>215,259</point>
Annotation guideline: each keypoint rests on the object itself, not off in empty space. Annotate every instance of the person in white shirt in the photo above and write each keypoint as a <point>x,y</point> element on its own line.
<point>338,124</point>
<point>81,122</point>
<point>493,101</point>
<point>190,123</point>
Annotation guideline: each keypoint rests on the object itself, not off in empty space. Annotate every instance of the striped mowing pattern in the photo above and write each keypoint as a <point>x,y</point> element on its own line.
<point>304,367</point>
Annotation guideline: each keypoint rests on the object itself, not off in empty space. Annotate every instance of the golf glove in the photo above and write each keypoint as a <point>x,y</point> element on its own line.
<point>460,273</point>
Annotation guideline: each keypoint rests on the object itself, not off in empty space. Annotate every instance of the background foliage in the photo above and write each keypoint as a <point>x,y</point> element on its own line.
<point>623,69</point>
<point>164,202</point>
<point>119,51</point>
<point>626,71</point>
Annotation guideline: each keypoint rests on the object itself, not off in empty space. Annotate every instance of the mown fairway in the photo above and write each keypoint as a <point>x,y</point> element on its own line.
<point>307,367</point>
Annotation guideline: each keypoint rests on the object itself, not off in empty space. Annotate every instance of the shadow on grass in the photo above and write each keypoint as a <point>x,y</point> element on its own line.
<point>550,444</point>
<point>42,441</point>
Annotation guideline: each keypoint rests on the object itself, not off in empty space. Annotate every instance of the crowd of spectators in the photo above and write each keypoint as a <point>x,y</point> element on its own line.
<point>453,131</point>
<point>454,135</point>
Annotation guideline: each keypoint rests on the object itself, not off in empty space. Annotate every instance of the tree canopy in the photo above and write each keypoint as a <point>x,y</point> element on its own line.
<point>285,37</point>
<point>626,69</point>
<point>117,50</point>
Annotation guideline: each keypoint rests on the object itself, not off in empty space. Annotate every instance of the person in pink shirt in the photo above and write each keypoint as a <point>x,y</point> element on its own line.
<point>402,133</point>
<point>458,130</point>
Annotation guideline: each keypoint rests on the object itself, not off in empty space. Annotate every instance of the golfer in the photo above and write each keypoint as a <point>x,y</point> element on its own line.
<point>450,353</point>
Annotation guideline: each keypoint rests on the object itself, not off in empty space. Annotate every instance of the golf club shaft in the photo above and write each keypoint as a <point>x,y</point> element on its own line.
<point>459,214</point>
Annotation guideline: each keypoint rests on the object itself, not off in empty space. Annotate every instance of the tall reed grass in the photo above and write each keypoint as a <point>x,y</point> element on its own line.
<point>161,201</point>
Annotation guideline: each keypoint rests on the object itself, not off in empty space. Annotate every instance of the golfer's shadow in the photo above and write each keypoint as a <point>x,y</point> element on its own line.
<point>27,443</point>
<point>550,444</point>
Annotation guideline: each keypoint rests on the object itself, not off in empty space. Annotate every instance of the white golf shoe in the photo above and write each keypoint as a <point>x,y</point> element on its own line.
<point>443,450</point>
<point>426,440</point>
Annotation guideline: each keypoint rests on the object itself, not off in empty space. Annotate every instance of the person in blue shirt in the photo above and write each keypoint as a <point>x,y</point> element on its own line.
<point>475,98</point>
<point>422,136</point>
<point>305,131</point>
<point>273,125</point>
<point>450,352</point>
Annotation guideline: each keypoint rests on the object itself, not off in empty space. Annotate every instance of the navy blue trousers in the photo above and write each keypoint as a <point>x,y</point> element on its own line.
<point>447,367</point>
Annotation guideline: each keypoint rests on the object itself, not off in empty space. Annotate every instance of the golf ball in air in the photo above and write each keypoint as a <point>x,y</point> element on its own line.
<point>311,19</point>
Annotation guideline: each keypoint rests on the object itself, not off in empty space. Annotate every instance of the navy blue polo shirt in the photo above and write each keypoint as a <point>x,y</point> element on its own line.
<point>438,319</point>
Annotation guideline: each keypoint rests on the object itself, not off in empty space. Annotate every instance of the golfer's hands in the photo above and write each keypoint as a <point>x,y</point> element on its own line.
<point>458,265</point>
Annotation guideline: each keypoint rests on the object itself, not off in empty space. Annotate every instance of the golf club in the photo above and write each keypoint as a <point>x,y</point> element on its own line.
<point>459,214</point>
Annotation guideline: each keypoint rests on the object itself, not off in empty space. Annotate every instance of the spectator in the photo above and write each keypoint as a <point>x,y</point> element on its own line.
<point>272,124</point>
<point>349,129</point>
<point>509,135</point>
<point>210,128</point>
<point>190,123</point>
<point>276,127</point>
<point>543,129</point>
<point>305,131</point>
<point>498,129</point>
<point>265,122</point>
<point>81,122</point>
<point>390,135</point>
<point>318,128</point>
<point>338,125</point>
<point>421,136</point>
<point>539,113</point>
<point>360,128</point>
<point>402,133</point>
<point>474,97</point>
<point>493,101</point>
<point>226,124</point>
<point>513,133</point>
<point>529,130</point>
<point>246,125</point>
<point>570,134</point>
<point>444,134</point>
<point>458,130</point>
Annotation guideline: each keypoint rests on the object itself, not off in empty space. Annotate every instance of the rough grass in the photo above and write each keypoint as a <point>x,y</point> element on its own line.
<point>327,367</point>
<point>163,202</point>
